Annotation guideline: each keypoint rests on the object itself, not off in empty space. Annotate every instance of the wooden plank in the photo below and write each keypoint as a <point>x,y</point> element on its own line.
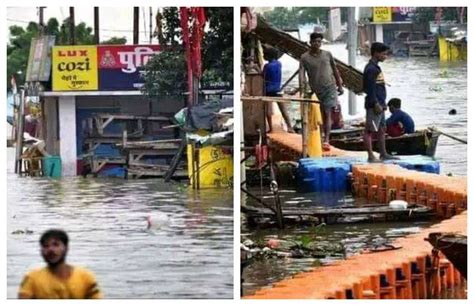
<point>175,161</point>
<point>131,117</point>
<point>104,124</point>
<point>335,212</point>
<point>148,166</point>
<point>160,152</point>
<point>352,77</point>
<point>277,99</point>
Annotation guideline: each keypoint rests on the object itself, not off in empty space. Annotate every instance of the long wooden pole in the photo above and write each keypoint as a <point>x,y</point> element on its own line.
<point>96,25</point>
<point>448,135</point>
<point>276,99</point>
<point>352,47</point>
<point>151,24</point>
<point>290,79</point>
<point>72,26</point>
<point>136,18</point>
<point>19,133</point>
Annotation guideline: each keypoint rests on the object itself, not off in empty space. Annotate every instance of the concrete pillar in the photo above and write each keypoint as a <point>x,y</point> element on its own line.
<point>379,33</point>
<point>352,48</point>
<point>67,135</point>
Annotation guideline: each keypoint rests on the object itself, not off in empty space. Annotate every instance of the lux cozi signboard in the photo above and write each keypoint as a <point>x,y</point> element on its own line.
<point>100,67</point>
<point>75,68</point>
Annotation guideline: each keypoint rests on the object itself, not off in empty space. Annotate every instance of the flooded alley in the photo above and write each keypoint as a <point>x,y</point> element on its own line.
<point>191,256</point>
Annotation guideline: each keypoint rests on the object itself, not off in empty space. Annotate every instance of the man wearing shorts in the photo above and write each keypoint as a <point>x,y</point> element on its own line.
<point>324,80</point>
<point>374,87</point>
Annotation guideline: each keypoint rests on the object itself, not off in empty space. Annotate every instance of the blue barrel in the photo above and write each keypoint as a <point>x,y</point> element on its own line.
<point>52,166</point>
<point>321,175</point>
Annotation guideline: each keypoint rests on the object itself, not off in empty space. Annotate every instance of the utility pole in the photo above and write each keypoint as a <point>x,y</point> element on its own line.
<point>136,17</point>
<point>352,47</point>
<point>41,18</point>
<point>96,25</point>
<point>72,25</point>
<point>151,24</point>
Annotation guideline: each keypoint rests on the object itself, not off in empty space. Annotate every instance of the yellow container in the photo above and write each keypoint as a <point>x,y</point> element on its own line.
<point>209,167</point>
<point>314,130</point>
<point>449,51</point>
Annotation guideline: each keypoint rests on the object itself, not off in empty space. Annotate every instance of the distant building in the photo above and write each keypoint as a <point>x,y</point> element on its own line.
<point>388,25</point>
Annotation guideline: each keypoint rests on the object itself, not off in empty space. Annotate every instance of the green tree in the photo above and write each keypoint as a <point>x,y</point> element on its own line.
<point>218,56</point>
<point>217,52</point>
<point>427,14</point>
<point>18,48</point>
<point>114,41</point>
<point>285,18</point>
<point>166,74</point>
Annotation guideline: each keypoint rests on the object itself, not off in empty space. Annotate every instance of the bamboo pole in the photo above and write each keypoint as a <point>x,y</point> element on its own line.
<point>96,25</point>
<point>277,99</point>
<point>72,26</point>
<point>19,132</point>
<point>136,19</point>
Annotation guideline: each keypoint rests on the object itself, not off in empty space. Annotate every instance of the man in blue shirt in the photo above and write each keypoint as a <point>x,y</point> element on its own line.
<point>272,76</point>
<point>374,87</point>
<point>399,122</point>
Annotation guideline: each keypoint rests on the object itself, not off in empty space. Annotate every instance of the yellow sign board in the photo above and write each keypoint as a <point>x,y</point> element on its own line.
<point>382,14</point>
<point>75,68</point>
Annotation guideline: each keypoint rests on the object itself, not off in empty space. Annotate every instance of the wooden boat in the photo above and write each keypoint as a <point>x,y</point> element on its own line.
<point>422,142</point>
<point>454,247</point>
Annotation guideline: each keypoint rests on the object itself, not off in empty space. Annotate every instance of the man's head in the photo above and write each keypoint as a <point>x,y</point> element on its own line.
<point>394,104</point>
<point>316,40</point>
<point>54,246</point>
<point>379,51</point>
<point>270,54</point>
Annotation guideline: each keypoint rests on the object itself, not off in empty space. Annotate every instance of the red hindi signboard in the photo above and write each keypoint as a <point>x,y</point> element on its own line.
<point>120,66</point>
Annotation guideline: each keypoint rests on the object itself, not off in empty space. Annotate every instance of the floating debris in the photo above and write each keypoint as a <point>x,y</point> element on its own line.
<point>444,74</point>
<point>436,88</point>
<point>22,232</point>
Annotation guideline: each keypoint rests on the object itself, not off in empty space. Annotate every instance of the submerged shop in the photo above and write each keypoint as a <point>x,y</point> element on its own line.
<point>96,100</point>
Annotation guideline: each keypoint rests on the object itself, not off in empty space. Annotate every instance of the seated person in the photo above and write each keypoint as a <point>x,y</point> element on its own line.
<point>399,122</point>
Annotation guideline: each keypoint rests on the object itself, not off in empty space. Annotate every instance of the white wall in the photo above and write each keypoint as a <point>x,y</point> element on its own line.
<point>379,33</point>
<point>67,135</point>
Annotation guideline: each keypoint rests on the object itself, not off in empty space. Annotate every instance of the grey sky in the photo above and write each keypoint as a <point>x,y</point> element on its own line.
<point>114,21</point>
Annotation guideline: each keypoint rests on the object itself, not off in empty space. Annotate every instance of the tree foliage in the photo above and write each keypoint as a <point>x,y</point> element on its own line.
<point>427,14</point>
<point>18,48</point>
<point>166,74</point>
<point>217,52</point>
<point>290,18</point>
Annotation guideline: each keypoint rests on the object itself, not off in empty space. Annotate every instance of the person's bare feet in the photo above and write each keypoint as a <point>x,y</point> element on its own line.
<point>388,157</point>
<point>291,130</point>
<point>373,159</point>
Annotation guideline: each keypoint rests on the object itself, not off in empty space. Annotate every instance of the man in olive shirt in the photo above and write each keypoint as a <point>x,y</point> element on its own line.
<point>324,80</point>
<point>58,280</point>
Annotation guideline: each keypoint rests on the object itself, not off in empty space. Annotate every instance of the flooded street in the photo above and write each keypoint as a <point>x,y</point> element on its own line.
<point>189,256</point>
<point>428,90</point>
